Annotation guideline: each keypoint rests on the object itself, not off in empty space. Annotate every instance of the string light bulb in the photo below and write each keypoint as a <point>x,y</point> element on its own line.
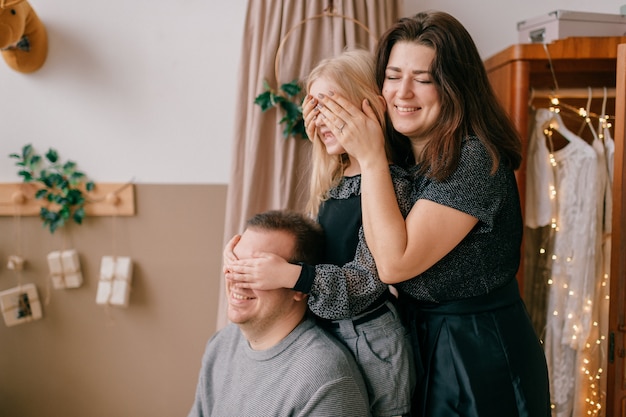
<point>592,350</point>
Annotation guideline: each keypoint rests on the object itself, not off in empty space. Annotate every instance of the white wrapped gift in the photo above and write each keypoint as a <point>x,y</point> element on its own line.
<point>115,281</point>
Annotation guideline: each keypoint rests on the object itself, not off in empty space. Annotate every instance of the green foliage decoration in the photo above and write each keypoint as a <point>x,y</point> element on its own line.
<point>288,99</point>
<point>62,185</point>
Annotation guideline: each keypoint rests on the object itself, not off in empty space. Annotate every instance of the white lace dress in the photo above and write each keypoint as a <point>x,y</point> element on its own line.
<point>590,390</point>
<point>565,197</point>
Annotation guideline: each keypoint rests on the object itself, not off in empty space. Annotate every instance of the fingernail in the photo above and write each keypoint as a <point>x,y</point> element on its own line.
<point>318,107</point>
<point>331,93</point>
<point>320,95</point>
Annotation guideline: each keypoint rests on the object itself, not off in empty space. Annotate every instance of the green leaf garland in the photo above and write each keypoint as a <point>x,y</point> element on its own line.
<point>62,186</point>
<point>289,101</point>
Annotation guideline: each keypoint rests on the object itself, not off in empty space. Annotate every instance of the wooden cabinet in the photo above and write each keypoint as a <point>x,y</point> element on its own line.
<point>577,64</point>
<point>617,312</point>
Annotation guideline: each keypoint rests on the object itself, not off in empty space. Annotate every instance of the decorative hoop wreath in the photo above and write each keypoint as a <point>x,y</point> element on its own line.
<point>288,96</point>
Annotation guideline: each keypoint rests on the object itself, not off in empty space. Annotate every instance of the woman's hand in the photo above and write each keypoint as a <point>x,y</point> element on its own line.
<point>242,272</point>
<point>228,254</point>
<point>309,112</point>
<point>264,271</point>
<point>358,130</point>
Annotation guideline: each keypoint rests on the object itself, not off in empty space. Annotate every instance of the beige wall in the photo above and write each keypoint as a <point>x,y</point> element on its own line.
<point>82,360</point>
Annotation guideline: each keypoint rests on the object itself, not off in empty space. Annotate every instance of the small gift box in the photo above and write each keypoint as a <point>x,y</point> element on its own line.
<point>115,280</point>
<point>15,263</point>
<point>20,305</point>
<point>65,269</point>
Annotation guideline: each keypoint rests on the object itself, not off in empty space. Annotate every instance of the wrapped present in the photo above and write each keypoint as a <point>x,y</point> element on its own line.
<point>115,281</point>
<point>15,263</point>
<point>65,269</point>
<point>20,305</point>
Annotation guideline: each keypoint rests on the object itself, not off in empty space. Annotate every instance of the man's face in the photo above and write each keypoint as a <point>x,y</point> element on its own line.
<point>256,308</point>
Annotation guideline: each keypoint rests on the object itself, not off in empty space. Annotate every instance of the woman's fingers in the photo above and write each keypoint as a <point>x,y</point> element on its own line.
<point>339,113</point>
<point>356,128</point>
<point>229,254</point>
<point>309,113</point>
<point>338,105</point>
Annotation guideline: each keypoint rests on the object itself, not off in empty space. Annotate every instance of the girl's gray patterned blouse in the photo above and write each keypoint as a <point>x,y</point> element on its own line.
<point>340,292</point>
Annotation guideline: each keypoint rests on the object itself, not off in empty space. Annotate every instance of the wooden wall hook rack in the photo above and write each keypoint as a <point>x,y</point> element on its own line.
<point>106,199</point>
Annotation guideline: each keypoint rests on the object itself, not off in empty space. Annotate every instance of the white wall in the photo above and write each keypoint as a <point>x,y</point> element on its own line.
<point>144,89</point>
<point>139,89</point>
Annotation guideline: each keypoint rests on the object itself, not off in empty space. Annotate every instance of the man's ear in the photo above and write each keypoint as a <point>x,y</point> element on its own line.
<point>299,296</point>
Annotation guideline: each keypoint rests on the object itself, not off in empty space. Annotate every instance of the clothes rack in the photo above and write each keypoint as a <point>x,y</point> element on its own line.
<point>526,70</point>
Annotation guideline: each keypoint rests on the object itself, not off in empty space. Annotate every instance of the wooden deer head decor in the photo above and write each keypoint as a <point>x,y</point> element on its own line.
<point>23,37</point>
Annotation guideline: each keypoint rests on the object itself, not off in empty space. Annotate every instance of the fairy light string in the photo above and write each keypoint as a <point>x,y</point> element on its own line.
<point>592,357</point>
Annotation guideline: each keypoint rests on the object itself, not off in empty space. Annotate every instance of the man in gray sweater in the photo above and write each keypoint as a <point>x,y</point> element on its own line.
<point>273,360</point>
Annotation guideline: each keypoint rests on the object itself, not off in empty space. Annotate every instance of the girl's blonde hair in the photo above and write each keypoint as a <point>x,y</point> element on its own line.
<point>353,73</point>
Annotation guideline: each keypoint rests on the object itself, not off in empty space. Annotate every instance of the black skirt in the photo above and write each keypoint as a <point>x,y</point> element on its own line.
<point>477,357</point>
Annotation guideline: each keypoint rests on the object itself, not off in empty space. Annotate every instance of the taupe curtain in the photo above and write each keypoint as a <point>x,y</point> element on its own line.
<point>270,171</point>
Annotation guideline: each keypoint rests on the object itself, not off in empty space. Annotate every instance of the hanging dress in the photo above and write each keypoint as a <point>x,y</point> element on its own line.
<point>538,231</point>
<point>568,195</point>
<point>593,359</point>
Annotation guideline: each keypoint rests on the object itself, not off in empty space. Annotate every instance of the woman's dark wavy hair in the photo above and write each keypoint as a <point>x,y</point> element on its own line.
<point>469,106</point>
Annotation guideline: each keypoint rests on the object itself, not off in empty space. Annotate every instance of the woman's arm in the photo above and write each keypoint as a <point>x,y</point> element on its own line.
<point>337,292</point>
<point>341,292</point>
<point>402,249</point>
<point>431,231</point>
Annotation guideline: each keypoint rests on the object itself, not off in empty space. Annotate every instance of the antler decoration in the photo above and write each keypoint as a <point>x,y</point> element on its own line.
<point>23,37</point>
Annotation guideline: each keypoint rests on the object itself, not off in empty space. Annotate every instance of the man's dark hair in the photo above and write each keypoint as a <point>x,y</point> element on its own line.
<point>308,234</point>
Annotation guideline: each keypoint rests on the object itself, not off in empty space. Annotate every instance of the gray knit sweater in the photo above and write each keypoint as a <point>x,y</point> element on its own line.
<point>307,374</point>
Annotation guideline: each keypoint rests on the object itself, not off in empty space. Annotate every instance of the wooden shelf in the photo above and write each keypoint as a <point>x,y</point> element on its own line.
<point>107,199</point>
<point>574,48</point>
